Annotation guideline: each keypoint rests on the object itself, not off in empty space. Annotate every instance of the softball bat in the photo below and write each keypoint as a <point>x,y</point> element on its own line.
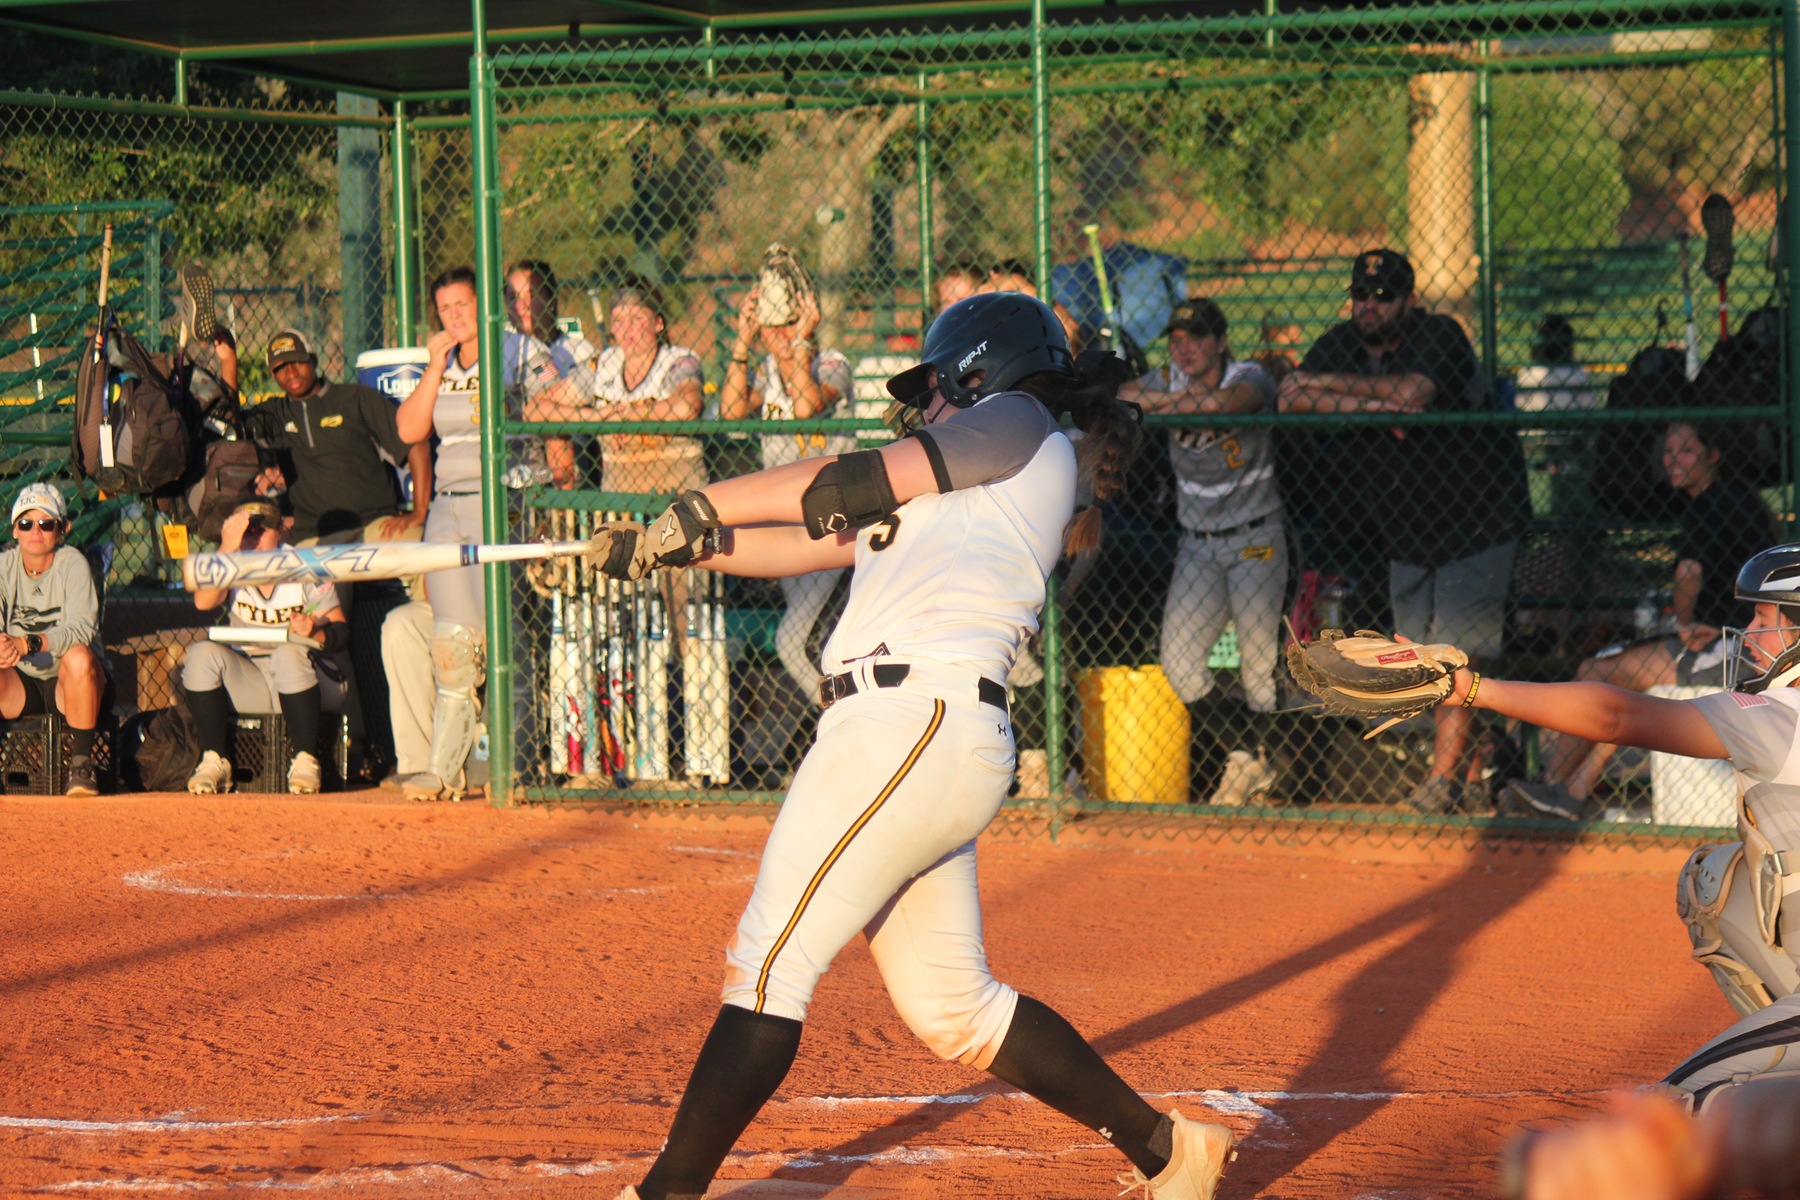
<point>353,562</point>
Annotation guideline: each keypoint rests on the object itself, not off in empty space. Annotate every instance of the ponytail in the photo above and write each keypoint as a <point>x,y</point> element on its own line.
<point>1112,429</point>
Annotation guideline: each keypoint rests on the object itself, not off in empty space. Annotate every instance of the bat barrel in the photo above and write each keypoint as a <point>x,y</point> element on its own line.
<point>351,562</point>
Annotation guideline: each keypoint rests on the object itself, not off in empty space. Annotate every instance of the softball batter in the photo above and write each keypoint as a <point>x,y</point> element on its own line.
<point>953,532</point>
<point>1232,563</point>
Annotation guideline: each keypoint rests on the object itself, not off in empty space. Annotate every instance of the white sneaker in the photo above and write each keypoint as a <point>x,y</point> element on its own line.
<point>303,774</point>
<point>212,775</point>
<point>1201,1152</point>
<point>1233,784</point>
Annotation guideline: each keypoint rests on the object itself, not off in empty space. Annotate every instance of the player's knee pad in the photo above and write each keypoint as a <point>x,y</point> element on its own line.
<point>457,661</point>
<point>1715,900</point>
<point>965,1026</point>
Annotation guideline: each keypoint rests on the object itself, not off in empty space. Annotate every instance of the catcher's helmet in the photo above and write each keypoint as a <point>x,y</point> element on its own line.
<point>1769,577</point>
<point>1006,335</point>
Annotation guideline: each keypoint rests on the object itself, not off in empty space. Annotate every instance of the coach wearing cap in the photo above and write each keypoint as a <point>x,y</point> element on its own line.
<point>51,659</point>
<point>1447,503</point>
<point>330,437</point>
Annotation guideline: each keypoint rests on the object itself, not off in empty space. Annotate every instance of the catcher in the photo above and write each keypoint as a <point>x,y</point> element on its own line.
<point>1732,898</point>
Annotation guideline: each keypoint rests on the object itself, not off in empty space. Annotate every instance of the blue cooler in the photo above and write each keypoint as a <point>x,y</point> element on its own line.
<point>394,373</point>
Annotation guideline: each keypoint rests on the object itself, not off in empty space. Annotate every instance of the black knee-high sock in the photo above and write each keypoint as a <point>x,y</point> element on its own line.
<point>81,743</point>
<point>301,712</point>
<point>212,720</point>
<point>745,1058</point>
<point>1043,1056</point>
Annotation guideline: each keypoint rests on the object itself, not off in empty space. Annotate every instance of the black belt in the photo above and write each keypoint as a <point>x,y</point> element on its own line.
<point>833,688</point>
<point>1245,527</point>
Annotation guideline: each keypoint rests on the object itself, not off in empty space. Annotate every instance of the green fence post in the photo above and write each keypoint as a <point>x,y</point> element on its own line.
<point>1790,60</point>
<point>493,412</point>
<point>1484,223</point>
<point>927,279</point>
<point>359,229</point>
<point>1040,200</point>
<point>406,231</point>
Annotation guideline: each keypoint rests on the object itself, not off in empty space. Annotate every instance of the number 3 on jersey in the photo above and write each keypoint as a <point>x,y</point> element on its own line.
<point>884,534</point>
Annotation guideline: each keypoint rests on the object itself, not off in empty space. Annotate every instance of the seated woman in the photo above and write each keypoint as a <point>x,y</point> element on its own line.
<point>1725,522</point>
<point>297,681</point>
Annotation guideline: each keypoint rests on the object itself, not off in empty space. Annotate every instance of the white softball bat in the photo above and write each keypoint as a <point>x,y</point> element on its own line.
<point>352,562</point>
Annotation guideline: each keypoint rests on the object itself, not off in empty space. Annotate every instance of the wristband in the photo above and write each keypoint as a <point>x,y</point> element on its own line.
<point>1468,701</point>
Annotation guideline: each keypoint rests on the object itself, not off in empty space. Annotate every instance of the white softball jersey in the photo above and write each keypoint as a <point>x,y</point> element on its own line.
<point>958,577</point>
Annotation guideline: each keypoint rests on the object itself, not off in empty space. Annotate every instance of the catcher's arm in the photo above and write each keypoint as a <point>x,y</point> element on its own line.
<point>1598,712</point>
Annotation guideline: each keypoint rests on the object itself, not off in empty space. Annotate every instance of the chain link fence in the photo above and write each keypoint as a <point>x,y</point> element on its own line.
<point>1597,407</point>
<point>1545,182</point>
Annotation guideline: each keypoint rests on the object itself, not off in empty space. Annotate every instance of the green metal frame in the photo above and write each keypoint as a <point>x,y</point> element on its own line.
<point>736,52</point>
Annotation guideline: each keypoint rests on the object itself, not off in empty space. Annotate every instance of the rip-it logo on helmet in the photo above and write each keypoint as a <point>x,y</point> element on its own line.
<point>963,366</point>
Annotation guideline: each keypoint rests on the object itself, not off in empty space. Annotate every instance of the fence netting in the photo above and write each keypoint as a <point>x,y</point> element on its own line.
<point>1580,363</point>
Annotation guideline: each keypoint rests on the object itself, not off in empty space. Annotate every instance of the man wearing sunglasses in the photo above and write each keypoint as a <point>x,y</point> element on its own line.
<point>51,659</point>
<point>1445,505</point>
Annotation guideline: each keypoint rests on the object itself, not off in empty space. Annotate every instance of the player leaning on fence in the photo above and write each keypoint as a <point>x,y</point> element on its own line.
<point>51,659</point>
<point>447,402</point>
<point>1447,504</point>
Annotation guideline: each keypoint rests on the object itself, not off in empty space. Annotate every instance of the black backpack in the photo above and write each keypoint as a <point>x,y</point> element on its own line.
<point>160,748</point>
<point>1745,369</point>
<point>132,407</point>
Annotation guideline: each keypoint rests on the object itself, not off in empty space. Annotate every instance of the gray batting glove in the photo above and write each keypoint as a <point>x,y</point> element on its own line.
<point>618,549</point>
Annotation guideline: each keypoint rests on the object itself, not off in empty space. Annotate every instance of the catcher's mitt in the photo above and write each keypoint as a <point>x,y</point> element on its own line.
<point>1370,676</point>
<point>781,286</point>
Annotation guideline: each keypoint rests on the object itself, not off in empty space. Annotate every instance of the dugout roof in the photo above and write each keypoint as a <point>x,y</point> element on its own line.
<point>404,47</point>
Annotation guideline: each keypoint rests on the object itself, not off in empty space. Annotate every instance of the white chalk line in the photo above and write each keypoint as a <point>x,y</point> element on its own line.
<point>1249,1105</point>
<point>173,1123</point>
<point>152,880</point>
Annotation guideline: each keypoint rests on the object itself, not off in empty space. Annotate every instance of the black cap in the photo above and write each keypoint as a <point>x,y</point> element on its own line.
<point>1198,316</point>
<point>1382,269</point>
<point>289,346</point>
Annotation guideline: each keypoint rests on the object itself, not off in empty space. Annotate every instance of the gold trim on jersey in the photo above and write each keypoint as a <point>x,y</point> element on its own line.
<point>843,844</point>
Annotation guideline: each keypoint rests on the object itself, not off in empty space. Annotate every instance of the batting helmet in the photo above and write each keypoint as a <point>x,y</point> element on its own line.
<point>1008,336</point>
<point>1769,577</point>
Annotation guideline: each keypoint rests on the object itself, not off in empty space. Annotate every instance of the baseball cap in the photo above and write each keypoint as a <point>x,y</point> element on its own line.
<point>289,346</point>
<point>264,510</point>
<point>41,496</point>
<point>1385,270</point>
<point>1200,317</point>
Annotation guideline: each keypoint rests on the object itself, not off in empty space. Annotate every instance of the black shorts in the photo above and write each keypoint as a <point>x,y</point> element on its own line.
<point>40,695</point>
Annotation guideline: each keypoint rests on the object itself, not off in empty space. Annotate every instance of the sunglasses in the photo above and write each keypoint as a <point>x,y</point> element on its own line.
<point>44,524</point>
<point>1384,295</point>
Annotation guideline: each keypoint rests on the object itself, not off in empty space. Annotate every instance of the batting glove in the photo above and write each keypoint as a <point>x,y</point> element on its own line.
<point>687,530</point>
<point>619,550</point>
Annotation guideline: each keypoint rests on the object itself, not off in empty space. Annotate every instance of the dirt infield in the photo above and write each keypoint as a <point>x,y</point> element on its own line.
<point>345,996</point>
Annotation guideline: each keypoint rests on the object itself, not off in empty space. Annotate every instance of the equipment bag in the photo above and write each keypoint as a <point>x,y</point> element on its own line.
<point>167,749</point>
<point>132,433</point>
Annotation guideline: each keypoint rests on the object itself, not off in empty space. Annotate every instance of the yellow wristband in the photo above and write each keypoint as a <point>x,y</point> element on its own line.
<point>1474,686</point>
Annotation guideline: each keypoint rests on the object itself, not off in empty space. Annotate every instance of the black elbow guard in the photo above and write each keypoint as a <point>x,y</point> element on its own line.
<point>848,494</point>
<point>334,636</point>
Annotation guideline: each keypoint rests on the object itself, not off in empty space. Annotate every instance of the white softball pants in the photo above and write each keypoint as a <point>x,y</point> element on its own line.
<point>878,834</point>
<point>1241,576</point>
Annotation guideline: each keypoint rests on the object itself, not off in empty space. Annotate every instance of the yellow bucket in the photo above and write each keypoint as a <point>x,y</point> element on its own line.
<point>1134,735</point>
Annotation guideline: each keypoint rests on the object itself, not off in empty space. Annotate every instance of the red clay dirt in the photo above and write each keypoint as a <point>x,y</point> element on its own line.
<point>347,996</point>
